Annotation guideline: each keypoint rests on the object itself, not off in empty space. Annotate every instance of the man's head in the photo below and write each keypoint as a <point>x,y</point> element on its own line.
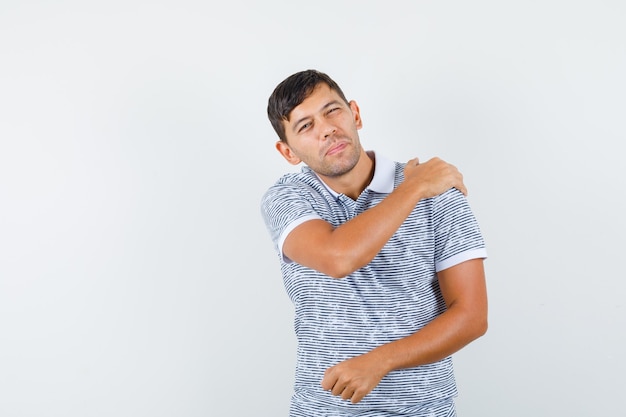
<point>292,92</point>
<point>316,124</point>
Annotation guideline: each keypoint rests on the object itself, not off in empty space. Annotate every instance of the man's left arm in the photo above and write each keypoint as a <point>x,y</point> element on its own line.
<point>464,290</point>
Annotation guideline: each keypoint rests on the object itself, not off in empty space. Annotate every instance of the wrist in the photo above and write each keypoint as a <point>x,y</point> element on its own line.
<point>412,190</point>
<point>383,356</point>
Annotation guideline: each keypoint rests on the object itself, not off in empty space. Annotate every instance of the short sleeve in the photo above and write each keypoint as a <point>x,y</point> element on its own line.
<point>457,235</point>
<point>284,207</point>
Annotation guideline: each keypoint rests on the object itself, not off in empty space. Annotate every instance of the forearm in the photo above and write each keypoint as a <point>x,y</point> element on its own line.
<point>355,377</point>
<point>355,243</point>
<point>442,337</point>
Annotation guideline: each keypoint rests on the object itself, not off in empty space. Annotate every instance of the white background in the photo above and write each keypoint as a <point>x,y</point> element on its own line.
<point>136,275</point>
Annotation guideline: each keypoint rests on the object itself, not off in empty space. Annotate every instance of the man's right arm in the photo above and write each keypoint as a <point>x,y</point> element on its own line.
<point>339,251</point>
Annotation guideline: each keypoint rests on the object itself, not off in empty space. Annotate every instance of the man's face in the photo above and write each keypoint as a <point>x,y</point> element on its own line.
<point>322,133</point>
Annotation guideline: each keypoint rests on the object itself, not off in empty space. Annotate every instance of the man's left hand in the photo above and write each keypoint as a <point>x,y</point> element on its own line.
<point>354,378</point>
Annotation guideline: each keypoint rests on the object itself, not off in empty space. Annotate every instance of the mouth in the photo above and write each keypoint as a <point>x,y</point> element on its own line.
<point>336,148</point>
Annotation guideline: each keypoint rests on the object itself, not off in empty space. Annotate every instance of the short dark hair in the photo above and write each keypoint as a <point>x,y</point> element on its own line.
<point>291,92</point>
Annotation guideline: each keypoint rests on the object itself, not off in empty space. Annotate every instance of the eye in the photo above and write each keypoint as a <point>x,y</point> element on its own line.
<point>304,126</point>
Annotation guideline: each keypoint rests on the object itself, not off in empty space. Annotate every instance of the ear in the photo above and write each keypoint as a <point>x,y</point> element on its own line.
<point>287,153</point>
<point>356,112</point>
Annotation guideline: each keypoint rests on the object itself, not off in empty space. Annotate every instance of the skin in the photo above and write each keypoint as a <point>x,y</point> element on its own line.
<point>322,132</point>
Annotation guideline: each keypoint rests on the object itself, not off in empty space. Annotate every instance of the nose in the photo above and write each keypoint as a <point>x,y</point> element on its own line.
<point>328,130</point>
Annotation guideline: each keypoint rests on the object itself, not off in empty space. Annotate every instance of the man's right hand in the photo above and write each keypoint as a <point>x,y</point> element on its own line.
<point>433,177</point>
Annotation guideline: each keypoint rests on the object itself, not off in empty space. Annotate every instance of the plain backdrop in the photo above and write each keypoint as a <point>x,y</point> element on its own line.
<point>136,275</point>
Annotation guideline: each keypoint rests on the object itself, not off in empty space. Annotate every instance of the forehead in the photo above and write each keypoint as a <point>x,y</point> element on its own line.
<point>319,97</point>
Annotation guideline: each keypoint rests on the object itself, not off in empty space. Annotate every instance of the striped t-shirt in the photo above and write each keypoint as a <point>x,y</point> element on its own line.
<point>393,296</point>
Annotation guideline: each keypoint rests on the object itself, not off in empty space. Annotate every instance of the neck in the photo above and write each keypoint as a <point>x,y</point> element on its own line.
<point>354,182</point>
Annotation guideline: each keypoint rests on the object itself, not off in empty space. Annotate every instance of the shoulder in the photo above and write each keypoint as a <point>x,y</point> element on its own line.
<point>451,197</point>
<point>293,181</point>
<point>292,188</point>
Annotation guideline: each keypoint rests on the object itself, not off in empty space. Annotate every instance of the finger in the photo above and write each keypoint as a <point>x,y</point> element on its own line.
<point>357,396</point>
<point>338,389</point>
<point>462,189</point>
<point>329,380</point>
<point>347,393</point>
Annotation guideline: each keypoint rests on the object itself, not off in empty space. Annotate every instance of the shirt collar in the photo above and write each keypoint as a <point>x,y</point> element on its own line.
<point>384,175</point>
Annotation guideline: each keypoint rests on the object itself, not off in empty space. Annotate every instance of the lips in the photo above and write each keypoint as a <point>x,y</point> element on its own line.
<point>336,148</point>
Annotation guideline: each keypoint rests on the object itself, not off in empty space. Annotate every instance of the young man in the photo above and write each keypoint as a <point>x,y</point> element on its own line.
<point>382,260</point>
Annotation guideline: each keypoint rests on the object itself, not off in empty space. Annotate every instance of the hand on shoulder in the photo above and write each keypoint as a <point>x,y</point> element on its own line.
<point>433,177</point>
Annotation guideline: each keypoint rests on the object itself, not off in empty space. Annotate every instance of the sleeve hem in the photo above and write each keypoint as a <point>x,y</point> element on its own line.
<point>461,257</point>
<point>288,229</point>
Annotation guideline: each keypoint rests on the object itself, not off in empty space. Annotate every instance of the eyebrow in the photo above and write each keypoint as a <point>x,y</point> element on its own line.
<point>324,107</point>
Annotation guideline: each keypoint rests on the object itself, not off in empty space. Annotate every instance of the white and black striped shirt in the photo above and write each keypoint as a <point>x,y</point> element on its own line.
<point>393,296</point>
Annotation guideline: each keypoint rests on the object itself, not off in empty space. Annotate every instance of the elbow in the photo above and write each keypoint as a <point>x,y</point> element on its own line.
<point>478,319</point>
<point>480,326</point>
<point>474,331</point>
<point>340,265</point>
<point>336,274</point>
<point>471,320</point>
<point>474,326</point>
<point>338,271</point>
